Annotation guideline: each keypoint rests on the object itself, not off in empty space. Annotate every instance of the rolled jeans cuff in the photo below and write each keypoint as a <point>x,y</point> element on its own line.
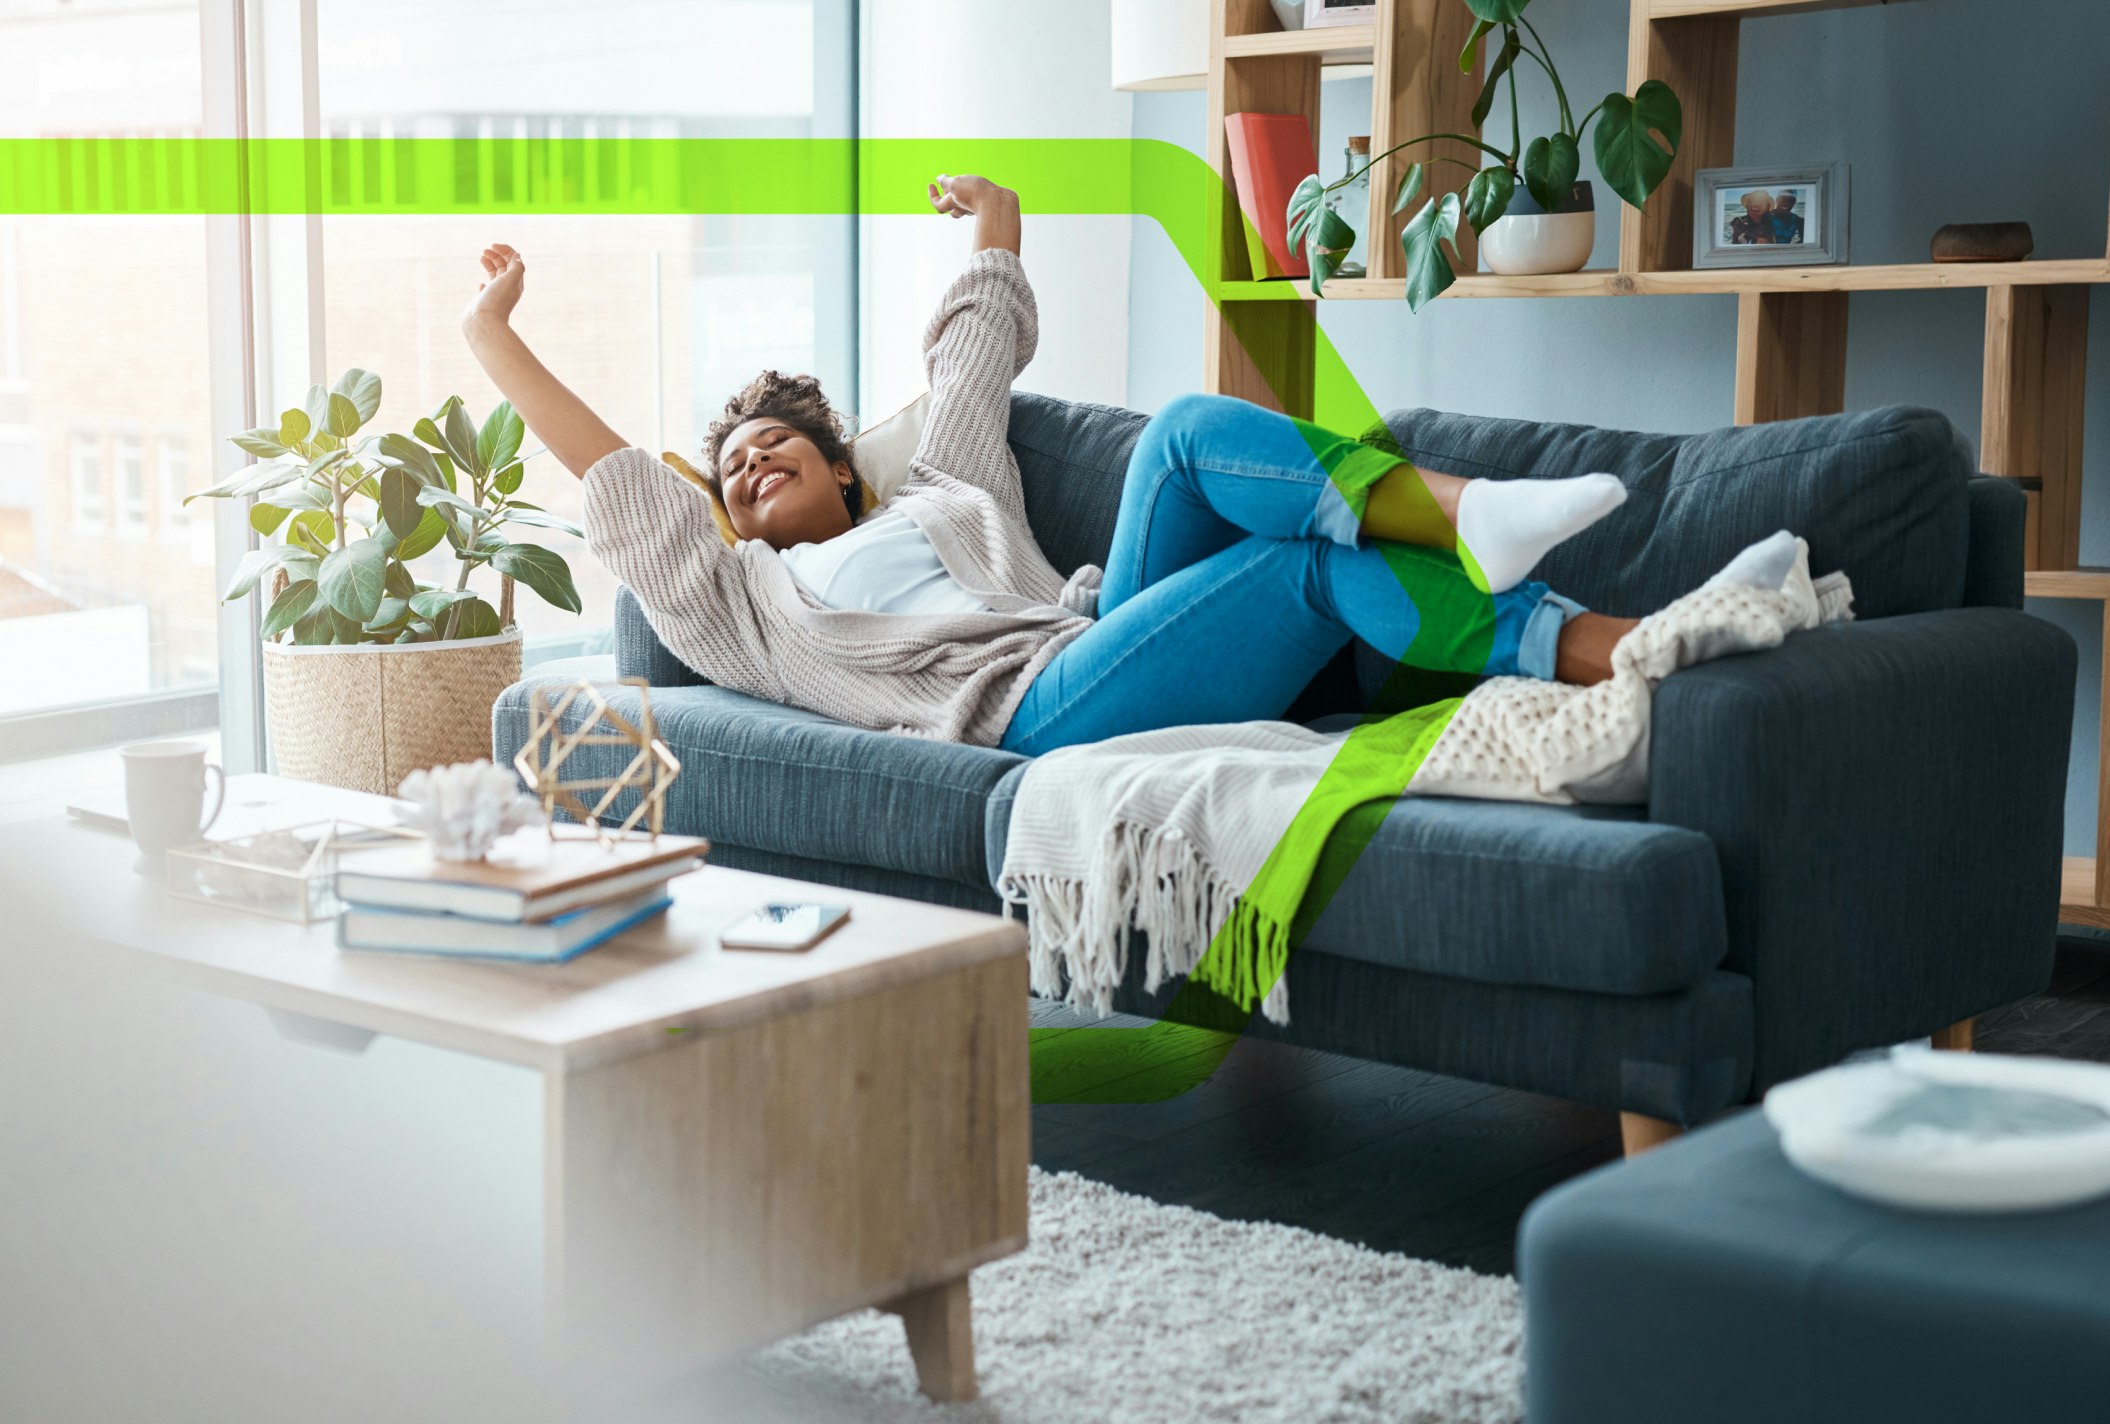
<point>1539,648</point>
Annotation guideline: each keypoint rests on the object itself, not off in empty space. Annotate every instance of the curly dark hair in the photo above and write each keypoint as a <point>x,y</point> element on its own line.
<point>798,402</point>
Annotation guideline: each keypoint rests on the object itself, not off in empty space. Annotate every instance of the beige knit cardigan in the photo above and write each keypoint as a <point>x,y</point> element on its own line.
<point>737,616</point>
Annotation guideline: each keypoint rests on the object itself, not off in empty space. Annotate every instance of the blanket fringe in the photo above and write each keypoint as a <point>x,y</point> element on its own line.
<point>1155,881</point>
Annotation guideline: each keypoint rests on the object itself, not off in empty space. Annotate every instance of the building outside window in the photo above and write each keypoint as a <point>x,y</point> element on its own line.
<point>129,462</point>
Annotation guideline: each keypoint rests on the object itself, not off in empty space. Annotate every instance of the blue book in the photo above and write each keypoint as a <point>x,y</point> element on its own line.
<point>551,941</point>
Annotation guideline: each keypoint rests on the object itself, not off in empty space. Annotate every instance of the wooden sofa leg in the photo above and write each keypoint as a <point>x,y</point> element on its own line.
<point>1638,1133</point>
<point>1956,1037</point>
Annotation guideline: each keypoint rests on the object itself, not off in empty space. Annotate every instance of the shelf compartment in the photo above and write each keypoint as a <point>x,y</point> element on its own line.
<point>1692,9</point>
<point>2077,898</point>
<point>1335,44</point>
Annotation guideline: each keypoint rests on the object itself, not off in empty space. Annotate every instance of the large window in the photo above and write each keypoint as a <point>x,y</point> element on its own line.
<point>120,380</point>
<point>653,318</point>
<point>102,337</point>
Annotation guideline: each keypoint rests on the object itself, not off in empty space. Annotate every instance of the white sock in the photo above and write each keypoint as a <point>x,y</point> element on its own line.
<point>1765,564</point>
<point>1506,526</point>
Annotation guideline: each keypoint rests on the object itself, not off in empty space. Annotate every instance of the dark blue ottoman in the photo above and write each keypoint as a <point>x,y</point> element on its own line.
<point>1709,1282</point>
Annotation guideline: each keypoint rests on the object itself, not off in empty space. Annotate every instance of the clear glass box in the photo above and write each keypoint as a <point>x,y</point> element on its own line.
<point>288,874</point>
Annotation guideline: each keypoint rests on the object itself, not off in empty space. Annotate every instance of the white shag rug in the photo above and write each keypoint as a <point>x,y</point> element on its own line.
<point>1125,1308</point>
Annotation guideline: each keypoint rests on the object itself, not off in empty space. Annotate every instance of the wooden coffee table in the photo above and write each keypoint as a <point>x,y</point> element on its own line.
<point>738,1145</point>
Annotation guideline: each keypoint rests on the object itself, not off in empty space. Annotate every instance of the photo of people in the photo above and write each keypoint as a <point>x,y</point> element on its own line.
<point>1768,217</point>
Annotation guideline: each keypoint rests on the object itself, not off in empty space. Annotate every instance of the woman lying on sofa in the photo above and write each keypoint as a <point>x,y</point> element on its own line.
<point>1249,549</point>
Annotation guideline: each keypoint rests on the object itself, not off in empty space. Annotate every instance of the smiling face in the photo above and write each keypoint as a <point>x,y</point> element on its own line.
<point>778,487</point>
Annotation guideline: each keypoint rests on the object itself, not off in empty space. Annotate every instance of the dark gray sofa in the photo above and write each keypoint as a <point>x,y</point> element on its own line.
<point>1852,840</point>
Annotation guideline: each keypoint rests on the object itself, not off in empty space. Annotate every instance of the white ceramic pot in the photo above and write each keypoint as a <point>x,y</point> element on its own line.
<point>1290,13</point>
<point>1528,241</point>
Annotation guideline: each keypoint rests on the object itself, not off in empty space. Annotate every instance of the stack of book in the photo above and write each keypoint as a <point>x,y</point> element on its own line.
<point>536,901</point>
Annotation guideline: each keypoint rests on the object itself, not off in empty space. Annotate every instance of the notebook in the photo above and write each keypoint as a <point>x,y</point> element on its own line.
<point>527,878</point>
<point>456,936</point>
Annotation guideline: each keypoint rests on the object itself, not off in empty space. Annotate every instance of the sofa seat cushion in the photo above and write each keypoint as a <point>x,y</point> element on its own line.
<point>772,778</point>
<point>1588,898</point>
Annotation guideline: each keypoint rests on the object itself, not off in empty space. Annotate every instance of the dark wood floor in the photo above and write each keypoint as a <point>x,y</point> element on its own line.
<point>1411,1162</point>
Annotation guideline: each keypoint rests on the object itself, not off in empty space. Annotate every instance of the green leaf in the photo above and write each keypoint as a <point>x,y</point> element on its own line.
<point>264,518</point>
<point>490,541</point>
<point>1326,247</point>
<point>406,453</point>
<point>508,479</point>
<point>1550,166</point>
<point>1487,196</point>
<point>315,628</point>
<point>305,495</point>
<point>327,462</point>
<point>1305,205</point>
<point>396,581</point>
<point>1511,48</point>
<point>476,619</point>
<point>298,563</point>
<point>432,528</point>
<point>255,563</point>
<point>461,438</point>
<point>399,502</point>
<point>391,615</point>
<point>499,441</point>
<point>432,602</point>
<point>262,441</point>
<point>293,427</point>
<point>1428,269</point>
<point>1467,56</point>
<point>1633,163</point>
<point>343,419</point>
<point>362,389</point>
<point>288,607</point>
<point>446,470</point>
<point>259,478</point>
<point>317,408</point>
<point>540,519</point>
<point>1496,12</point>
<point>352,578</point>
<point>314,530</point>
<point>433,496</point>
<point>1409,186</point>
<point>542,570</point>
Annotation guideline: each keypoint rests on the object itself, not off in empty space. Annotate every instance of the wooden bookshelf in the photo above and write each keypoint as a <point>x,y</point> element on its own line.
<point>1259,339</point>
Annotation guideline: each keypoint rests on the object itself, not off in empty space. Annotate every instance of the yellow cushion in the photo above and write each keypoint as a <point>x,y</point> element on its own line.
<point>883,453</point>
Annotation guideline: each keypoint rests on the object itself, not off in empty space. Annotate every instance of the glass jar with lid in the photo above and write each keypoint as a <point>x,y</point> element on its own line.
<point>1352,202</point>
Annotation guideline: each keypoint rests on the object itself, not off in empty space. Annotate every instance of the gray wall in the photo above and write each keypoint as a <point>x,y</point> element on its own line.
<point>1946,110</point>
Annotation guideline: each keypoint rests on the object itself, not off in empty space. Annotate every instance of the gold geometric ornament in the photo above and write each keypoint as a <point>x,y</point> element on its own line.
<point>541,761</point>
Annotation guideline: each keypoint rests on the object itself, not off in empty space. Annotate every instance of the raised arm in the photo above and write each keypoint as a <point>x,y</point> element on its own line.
<point>983,333</point>
<point>560,420</point>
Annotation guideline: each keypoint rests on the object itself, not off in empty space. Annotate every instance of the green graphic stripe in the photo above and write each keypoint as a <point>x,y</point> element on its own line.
<point>1161,181</point>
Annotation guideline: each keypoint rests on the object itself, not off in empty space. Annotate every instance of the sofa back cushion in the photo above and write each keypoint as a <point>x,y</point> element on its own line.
<point>1072,459</point>
<point>1882,494</point>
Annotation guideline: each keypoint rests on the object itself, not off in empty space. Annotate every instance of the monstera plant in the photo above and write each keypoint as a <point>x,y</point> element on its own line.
<point>344,516</point>
<point>1637,136</point>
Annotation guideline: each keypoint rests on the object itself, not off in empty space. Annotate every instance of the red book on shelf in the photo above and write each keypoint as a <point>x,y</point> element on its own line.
<point>1270,155</point>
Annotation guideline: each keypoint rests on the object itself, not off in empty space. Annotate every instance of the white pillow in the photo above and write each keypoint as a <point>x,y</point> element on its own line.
<point>884,450</point>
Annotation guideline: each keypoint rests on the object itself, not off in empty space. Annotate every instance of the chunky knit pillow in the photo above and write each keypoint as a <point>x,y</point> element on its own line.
<point>883,454</point>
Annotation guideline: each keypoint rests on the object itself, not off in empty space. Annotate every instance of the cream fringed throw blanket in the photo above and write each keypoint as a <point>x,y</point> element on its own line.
<point>1206,838</point>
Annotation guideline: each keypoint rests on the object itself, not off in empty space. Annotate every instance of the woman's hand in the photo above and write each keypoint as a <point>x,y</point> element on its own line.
<point>994,208</point>
<point>563,422</point>
<point>505,278</point>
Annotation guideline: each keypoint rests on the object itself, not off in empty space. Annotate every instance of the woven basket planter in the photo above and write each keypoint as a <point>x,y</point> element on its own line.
<point>366,716</point>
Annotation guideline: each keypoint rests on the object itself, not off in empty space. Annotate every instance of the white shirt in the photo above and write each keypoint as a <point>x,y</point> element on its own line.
<point>883,565</point>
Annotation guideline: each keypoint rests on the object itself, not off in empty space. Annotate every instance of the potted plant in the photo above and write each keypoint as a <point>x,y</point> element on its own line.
<point>1531,213</point>
<point>369,673</point>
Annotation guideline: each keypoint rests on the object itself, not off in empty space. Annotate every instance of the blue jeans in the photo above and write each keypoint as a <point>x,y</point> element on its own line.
<point>1238,571</point>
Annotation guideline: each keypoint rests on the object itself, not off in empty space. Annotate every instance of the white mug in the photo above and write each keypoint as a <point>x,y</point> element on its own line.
<point>165,796</point>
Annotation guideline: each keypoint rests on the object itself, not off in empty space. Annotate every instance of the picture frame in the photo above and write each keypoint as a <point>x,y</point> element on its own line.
<point>1320,13</point>
<point>1770,217</point>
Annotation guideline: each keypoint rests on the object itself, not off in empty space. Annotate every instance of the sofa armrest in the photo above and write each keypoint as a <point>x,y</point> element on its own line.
<point>1993,564</point>
<point>640,653</point>
<point>1888,802</point>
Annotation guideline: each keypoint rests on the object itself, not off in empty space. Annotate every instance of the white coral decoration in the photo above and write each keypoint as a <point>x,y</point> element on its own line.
<point>463,809</point>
